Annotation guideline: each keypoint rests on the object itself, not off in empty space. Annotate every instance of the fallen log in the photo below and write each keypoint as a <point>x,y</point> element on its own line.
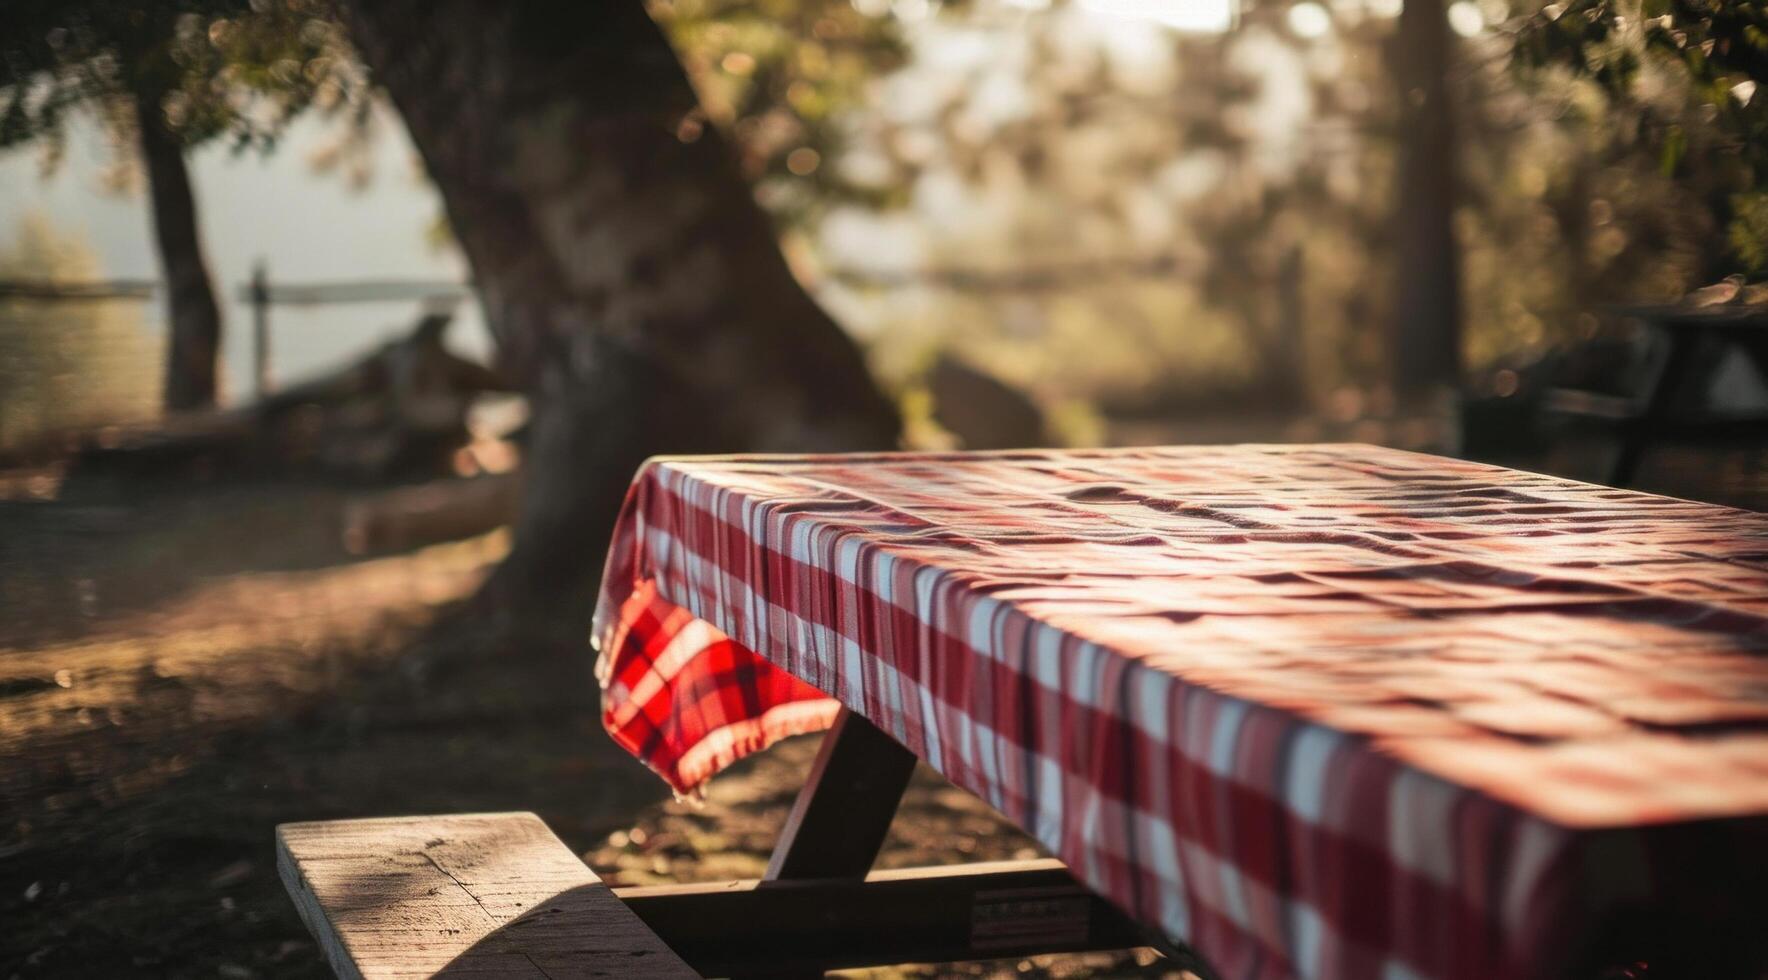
<point>443,510</point>
<point>399,412</point>
<point>983,411</point>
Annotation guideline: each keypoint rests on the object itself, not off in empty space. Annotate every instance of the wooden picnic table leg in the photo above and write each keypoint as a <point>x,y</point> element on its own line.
<point>1755,347</point>
<point>1665,384</point>
<point>841,817</point>
<point>837,827</point>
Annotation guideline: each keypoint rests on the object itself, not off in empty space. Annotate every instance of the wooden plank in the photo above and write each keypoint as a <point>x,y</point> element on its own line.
<point>45,289</point>
<point>491,895</point>
<point>1590,404</point>
<point>920,915</point>
<point>841,817</point>
<point>355,291</point>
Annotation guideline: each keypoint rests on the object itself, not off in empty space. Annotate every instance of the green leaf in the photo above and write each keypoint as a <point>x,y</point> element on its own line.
<point>1675,147</point>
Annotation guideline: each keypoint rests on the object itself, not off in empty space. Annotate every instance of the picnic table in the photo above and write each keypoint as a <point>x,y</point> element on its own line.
<point>1671,407</point>
<point>1310,711</point>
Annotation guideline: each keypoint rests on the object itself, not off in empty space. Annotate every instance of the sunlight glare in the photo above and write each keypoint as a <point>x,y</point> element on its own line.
<point>1466,19</point>
<point>1194,16</point>
<point>1309,20</point>
<point>913,10</point>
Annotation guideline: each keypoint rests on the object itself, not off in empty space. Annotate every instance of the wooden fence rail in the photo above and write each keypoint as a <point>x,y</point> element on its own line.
<point>260,293</point>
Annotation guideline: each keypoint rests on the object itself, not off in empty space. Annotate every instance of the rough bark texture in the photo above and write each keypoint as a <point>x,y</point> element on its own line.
<point>193,318</point>
<point>1427,301</point>
<point>635,289</point>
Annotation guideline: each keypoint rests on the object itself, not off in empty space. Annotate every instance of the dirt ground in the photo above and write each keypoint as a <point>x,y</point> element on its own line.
<point>182,669</point>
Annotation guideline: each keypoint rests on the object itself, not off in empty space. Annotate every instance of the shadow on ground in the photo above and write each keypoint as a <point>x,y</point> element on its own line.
<point>227,668</point>
<point>154,856</point>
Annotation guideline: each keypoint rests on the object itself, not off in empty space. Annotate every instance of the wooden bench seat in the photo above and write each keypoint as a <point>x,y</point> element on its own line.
<point>484,896</point>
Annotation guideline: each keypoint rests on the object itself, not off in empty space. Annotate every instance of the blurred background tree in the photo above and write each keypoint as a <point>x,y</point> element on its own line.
<point>1680,78</point>
<point>780,77</point>
<point>1166,222</point>
<point>165,78</point>
<point>1227,200</point>
<point>1624,138</point>
<point>636,290</point>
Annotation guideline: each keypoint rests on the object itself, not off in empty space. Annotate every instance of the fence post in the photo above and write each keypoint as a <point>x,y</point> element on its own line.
<point>261,328</point>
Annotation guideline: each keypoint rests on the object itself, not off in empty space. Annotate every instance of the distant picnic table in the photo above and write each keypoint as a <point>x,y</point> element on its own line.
<point>1670,406</point>
<point>1316,711</point>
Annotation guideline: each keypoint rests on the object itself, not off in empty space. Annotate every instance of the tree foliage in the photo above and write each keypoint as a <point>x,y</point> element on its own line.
<point>1045,139</point>
<point>1687,79</point>
<point>780,78</point>
<point>776,75</point>
<point>239,70</point>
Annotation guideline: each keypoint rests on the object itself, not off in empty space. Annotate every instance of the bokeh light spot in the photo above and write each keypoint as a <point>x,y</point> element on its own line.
<point>803,161</point>
<point>1466,19</point>
<point>1309,20</point>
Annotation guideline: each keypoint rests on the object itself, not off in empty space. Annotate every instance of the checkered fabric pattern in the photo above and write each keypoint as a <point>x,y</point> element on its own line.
<point>1320,711</point>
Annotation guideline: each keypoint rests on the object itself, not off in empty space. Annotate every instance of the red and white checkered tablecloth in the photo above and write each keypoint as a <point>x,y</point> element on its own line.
<point>1320,711</point>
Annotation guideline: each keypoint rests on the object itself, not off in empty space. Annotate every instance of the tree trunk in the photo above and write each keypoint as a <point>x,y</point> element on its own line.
<point>1427,301</point>
<point>193,319</point>
<point>635,289</point>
